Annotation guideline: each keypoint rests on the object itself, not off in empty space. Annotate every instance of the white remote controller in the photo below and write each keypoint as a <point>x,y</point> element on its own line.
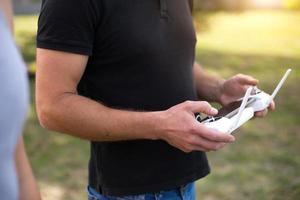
<point>253,101</point>
<point>262,99</point>
<point>228,124</point>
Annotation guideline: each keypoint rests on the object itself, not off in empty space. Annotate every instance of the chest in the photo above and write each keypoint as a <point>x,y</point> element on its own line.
<point>134,27</point>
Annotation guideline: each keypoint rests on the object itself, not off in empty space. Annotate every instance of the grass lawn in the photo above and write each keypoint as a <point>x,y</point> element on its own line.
<point>264,163</point>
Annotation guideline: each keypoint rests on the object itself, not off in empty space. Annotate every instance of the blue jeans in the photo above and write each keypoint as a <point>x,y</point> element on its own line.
<point>186,192</point>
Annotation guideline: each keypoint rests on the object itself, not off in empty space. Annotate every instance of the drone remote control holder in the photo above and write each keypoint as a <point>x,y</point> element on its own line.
<point>254,100</point>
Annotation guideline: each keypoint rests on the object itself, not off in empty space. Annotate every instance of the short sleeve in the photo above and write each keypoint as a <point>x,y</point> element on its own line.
<point>68,25</point>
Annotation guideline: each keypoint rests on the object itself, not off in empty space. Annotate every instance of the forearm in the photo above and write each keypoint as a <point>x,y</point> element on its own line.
<point>27,184</point>
<point>91,120</point>
<point>209,87</point>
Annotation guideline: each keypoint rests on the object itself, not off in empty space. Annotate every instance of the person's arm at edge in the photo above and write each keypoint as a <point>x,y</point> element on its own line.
<point>6,8</point>
<point>27,185</point>
<point>61,109</point>
<point>28,189</point>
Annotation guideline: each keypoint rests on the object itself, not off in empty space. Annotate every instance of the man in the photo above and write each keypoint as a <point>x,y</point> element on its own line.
<point>16,177</point>
<point>122,75</point>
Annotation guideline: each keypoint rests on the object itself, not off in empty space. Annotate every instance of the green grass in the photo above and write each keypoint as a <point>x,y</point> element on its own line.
<point>263,163</point>
<point>25,33</point>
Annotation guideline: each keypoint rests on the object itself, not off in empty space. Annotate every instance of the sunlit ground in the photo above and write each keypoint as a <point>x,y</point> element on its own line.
<point>264,163</point>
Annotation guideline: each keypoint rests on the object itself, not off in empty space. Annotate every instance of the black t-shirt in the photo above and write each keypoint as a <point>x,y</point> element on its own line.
<point>141,55</point>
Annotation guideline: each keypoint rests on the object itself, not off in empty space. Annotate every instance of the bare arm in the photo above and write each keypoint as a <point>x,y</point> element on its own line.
<point>28,189</point>
<point>6,8</point>
<point>208,87</point>
<point>27,184</point>
<point>60,108</point>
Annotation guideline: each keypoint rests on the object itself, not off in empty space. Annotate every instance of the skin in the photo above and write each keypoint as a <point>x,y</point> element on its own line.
<point>28,189</point>
<point>222,91</point>
<point>61,109</point>
<point>27,185</point>
<point>6,8</point>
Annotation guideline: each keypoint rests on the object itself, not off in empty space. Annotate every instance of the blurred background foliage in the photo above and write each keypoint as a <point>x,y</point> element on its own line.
<point>245,4</point>
<point>292,4</point>
<point>258,37</point>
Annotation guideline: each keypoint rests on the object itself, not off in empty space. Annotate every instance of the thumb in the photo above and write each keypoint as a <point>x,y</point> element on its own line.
<point>200,107</point>
<point>247,80</point>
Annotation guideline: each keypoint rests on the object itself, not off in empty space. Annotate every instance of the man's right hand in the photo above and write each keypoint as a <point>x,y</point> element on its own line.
<point>181,130</point>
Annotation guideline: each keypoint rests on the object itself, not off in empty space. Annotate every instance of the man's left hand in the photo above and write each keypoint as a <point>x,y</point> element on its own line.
<point>235,88</point>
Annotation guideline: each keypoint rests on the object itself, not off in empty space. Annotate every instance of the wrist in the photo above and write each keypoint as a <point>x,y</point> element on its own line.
<point>154,121</point>
<point>160,125</point>
<point>220,91</point>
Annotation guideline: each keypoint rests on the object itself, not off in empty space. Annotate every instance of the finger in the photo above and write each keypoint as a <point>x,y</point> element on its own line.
<point>200,107</point>
<point>199,148</point>
<point>202,143</point>
<point>214,136</point>
<point>187,148</point>
<point>261,113</point>
<point>272,106</point>
<point>246,80</point>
